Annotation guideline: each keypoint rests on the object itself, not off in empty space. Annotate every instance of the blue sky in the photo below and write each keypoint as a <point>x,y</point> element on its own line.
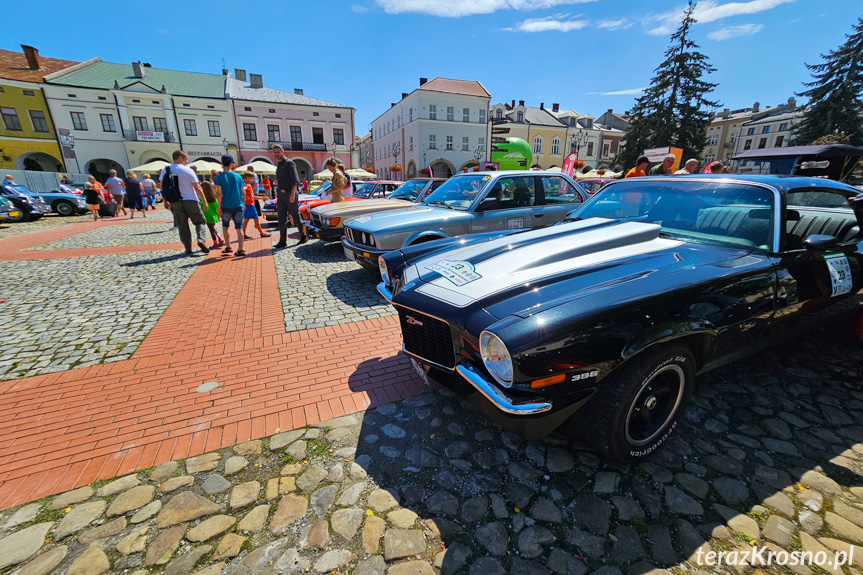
<point>588,55</point>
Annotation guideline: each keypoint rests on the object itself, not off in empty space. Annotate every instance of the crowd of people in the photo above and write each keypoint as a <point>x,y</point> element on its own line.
<point>665,167</point>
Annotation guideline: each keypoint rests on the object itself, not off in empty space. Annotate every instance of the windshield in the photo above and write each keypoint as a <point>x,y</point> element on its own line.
<point>19,190</point>
<point>365,191</point>
<point>409,191</point>
<point>321,189</point>
<point>457,193</point>
<point>700,212</point>
<point>67,189</point>
<point>592,186</point>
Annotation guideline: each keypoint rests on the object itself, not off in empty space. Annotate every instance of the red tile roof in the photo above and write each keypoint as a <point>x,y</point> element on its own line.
<point>465,87</point>
<point>13,66</point>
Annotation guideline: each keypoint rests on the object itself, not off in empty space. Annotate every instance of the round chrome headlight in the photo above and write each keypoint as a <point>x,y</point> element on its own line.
<point>382,266</point>
<point>496,358</point>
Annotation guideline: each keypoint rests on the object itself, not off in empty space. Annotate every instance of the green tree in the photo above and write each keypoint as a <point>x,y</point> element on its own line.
<point>835,93</point>
<point>673,110</point>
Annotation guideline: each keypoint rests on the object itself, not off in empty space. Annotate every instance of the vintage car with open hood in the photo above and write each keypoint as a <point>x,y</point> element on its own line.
<point>605,320</point>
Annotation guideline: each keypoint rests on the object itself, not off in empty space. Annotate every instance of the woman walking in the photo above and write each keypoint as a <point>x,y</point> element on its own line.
<point>133,195</point>
<point>211,213</point>
<point>93,198</point>
<point>149,194</point>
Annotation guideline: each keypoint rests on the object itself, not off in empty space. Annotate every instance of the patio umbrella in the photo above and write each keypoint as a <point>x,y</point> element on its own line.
<point>154,166</point>
<point>325,175</point>
<point>358,174</point>
<point>204,167</point>
<point>260,167</point>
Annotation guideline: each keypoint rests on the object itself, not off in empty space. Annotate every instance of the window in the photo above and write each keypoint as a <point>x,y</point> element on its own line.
<point>762,143</point>
<point>272,111</point>
<point>747,145</point>
<point>615,145</point>
<point>779,141</point>
<point>136,101</point>
<point>559,191</point>
<point>809,198</point>
<point>713,140</point>
<point>555,146</point>
<point>108,122</point>
<point>605,150</point>
<point>432,111</point>
<point>399,118</point>
<point>10,119</point>
<point>71,95</point>
<point>157,103</point>
<point>250,132</point>
<point>465,115</point>
<point>482,115</point>
<point>432,142</point>
<point>296,135</point>
<point>37,119</point>
<point>338,115</point>
<point>481,142</point>
<point>28,92</point>
<point>589,149</point>
<point>246,108</point>
<point>765,130</point>
<point>449,113</point>
<point>411,144</point>
<point>709,158</point>
<point>498,114</point>
<point>273,133</point>
<point>141,124</point>
<point>187,105</point>
<point>750,132</point>
<point>316,113</point>
<point>465,144</point>
<point>160,125</point>
<point>191,127</point>
<point>515,192</point>
<point>449,142</point>
<point>411,115</point>
<point>79,122</point>
<point>318,135</point>
<point>519,117</point>
<point>783,127</point>
<point>537,145</point>
<point>339,136</point>
<point>214,129</point>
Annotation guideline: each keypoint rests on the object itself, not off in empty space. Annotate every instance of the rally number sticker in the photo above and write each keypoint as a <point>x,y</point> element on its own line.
<point>840,274</point>
<point>515,223</point>
<point>458,272</point>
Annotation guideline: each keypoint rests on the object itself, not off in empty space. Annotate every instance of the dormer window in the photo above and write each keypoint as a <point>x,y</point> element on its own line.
<point>519,116</point>
<point>498,114</point>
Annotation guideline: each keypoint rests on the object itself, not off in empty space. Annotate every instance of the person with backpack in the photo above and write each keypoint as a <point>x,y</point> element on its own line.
<point>183,195</point>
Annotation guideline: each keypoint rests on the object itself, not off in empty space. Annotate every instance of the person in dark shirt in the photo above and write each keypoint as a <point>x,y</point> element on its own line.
<point>93,198</point>
<point>133,195</point>
<point>287,193</point>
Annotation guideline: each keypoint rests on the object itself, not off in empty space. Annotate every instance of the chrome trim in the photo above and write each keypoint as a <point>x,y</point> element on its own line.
<point>443,367</point>
<point>496,396</point>
<point>384,291</point>
<point>424,360</point>
<point>506,384</point>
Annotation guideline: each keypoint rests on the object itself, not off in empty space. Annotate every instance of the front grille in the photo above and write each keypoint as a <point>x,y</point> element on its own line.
<point>427,337</point>
<point>360,238</point>
<point>316,220</point>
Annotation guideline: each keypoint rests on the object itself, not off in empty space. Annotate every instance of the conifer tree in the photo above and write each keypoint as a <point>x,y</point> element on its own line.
<point>835,94</point>
<point>673,111</point>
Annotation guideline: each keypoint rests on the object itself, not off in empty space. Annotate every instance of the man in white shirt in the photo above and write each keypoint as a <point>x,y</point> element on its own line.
<point>117,188</point>
<point>189,207</point>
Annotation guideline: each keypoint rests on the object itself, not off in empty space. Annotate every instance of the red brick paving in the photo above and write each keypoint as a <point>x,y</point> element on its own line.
<point>63,430</point>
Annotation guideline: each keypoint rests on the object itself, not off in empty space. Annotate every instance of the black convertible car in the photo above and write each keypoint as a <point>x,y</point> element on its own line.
<point>616,310</point>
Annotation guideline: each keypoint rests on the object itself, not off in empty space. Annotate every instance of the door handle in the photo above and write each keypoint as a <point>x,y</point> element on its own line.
<point>537,215</point>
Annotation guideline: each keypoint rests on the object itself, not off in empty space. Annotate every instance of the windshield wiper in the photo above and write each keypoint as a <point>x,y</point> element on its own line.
<point>439,203</point>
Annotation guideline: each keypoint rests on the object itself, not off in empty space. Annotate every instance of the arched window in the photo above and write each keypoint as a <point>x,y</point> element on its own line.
<point>498,114</point>
<point>537,145</point>
<point>555,146</point>
<point>519,116</point>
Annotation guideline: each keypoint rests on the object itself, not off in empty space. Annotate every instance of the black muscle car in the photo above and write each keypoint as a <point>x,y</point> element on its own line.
<point>615,310</point>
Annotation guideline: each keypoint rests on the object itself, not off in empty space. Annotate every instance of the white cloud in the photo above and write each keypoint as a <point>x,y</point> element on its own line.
<point>459,8</point>
<point>557,23</point>
<point>629,92</point>
<point>622,24</point>
<point>708,11</point>
<point>735,31</point>
<point>359,8</point>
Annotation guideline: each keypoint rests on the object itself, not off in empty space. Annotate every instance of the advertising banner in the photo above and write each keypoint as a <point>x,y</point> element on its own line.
<point>150,136</point>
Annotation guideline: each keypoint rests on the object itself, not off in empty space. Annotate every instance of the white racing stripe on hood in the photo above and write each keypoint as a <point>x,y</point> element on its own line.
<point>562,251</point>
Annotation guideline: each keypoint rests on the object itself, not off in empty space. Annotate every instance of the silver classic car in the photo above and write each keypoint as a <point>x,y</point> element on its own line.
<point>466,204</point>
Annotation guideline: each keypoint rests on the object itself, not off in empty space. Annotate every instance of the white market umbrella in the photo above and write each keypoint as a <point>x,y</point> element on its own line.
<point>358,174</point>
<point>154,166</point>
<point>259,167</point>
<point>325,175</point>
<point>204,167</point>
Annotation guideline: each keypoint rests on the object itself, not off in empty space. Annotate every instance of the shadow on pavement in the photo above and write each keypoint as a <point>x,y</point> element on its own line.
<point>356,288</point>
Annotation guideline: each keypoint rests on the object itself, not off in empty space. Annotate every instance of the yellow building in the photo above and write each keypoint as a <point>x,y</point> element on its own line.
<point>536,126</point>
<point>28,139</point>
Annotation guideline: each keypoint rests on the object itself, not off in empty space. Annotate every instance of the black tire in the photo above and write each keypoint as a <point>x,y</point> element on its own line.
<point>25,215</point>
<point>636,410</point>
<point>34,217</point>
<point>65,208</point>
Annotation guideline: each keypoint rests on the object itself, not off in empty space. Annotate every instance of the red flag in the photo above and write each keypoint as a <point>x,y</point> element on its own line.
<point>569,165</point>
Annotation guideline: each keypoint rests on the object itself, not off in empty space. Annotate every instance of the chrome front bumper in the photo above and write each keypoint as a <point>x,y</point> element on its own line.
<point>498,398</point>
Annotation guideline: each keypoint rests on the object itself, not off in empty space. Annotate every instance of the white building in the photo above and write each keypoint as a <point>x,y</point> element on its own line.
<point>441,125</point>
<point>123,115</point>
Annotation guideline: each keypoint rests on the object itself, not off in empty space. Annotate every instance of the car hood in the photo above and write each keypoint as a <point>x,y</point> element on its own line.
<point>350,209</point>
<point>409,218</point>
<point>517,274</point>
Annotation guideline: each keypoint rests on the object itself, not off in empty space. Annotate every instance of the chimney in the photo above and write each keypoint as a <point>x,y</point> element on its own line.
<point>298,91</point>
<point>611,110</point>
<point>256,80</point>
<point>792,102</point>
<point>542,105</point>
<point>521,102</point>
<point>32,55</point>
<point>555,107</point>
<point>756,106</point>
<point>392,104</point>
<point>240,74</point>
<point>423,81</point>
<point>224,71</point>
<point>138,69</point>
<point>512,105</point>
<point>725,113</point>
<point>404,95</point>
<point>147,65</point>
<point>116,85</point>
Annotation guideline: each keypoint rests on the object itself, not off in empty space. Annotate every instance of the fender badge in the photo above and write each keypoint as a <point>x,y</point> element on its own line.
<point>413,321</point>
<point>584,375</point>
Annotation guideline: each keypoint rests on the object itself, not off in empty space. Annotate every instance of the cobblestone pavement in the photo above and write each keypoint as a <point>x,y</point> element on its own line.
<point>769,455</point>
<point>321,287</point>
<point>47,222</point>
<point>66,313</point>
<point>112,236</point>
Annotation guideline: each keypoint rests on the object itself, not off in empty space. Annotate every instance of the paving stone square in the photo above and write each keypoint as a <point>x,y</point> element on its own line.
<point>319,287</point>
<point>110,236</point>
<point>66,313</point>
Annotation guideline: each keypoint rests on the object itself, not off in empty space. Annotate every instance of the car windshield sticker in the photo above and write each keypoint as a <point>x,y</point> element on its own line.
<point>515,223</point>
<point>840,274</point>
<point>459,273</point>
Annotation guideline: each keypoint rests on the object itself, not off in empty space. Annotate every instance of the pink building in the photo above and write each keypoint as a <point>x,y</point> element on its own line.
<point>309,130</point>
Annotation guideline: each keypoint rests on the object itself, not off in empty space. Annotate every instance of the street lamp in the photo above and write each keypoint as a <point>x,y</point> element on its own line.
<point>578,141</point>
<point>478,154</point>
<point>396,150</point>
<point>225,144</point>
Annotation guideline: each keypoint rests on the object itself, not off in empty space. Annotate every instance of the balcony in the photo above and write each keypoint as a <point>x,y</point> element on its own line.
<point>299,146</point>
<point>145,136</point>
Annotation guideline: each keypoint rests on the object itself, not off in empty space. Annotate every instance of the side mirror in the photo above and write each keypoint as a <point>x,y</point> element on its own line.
<point>487,204</point>
<point>820,242</point>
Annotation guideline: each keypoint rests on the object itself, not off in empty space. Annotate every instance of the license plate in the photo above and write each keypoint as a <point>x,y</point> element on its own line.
<point>349,254</point>
<point>14,214</point>
<point>367,255</point>
<point>418,367</point>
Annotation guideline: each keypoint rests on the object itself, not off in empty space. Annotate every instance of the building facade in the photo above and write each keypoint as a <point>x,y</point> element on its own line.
<point>583,136</point>
<point>442,125</point>
<point>734,131</point>
<point>28,137</point>
<point>310,130</point>
<point>366,151</point>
